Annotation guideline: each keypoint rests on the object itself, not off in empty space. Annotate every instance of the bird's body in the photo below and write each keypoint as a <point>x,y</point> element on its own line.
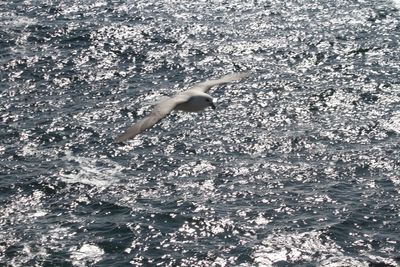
<point>193,100</point>
<point>196,103</point>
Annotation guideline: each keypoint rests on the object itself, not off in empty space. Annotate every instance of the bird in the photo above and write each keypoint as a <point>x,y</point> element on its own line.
<point>195,99</point>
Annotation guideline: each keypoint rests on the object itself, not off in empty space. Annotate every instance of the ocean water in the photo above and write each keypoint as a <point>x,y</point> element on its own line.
<point>297,166</point>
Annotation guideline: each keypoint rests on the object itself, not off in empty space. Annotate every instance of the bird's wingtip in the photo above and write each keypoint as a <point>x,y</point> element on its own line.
<point>244,74</point>
<point>237,75</point>
<point>118,141</point>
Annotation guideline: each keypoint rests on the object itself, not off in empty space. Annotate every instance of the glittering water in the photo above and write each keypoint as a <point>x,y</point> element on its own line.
<point>298,166</point>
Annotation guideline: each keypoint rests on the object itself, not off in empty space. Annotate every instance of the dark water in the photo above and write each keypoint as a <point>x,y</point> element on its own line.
<point>298,166</point>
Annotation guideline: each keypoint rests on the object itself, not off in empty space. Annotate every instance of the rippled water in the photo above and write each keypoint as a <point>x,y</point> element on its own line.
<point>298,165</point>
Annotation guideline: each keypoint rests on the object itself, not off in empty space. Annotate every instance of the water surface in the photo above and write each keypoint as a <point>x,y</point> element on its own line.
<point>298,166</point>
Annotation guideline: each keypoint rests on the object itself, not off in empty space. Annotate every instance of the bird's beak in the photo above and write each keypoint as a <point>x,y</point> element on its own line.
<point>213,106</point>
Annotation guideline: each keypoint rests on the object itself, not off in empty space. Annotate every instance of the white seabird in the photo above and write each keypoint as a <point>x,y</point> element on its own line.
<point>193,100</point>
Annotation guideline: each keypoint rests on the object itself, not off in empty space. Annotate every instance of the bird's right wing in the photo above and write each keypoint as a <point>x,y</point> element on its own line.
<point>159,112</point>
<point>207,85</point>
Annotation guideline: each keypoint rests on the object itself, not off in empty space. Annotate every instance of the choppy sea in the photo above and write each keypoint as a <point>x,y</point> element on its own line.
<point>299,165</point>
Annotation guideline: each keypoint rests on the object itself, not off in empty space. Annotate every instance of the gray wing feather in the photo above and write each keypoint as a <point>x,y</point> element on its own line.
<point>159,112</point>
<point>207,85</point>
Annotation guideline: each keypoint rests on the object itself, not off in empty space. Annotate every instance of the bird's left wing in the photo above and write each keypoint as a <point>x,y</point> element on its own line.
<point>159,112</point>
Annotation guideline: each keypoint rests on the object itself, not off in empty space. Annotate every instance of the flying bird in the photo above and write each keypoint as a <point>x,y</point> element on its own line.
<point>194,99</point>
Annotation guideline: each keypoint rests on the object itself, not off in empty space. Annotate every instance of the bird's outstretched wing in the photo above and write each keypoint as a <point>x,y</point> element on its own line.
<point>159,112</point>
<point>207,85</point>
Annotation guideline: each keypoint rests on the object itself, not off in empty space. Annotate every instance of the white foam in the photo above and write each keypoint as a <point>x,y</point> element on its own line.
<point>91,171</point>
<point>86,254</point>
<point>10,19</point>
<point>300,247</point>
<point>342,261</point>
